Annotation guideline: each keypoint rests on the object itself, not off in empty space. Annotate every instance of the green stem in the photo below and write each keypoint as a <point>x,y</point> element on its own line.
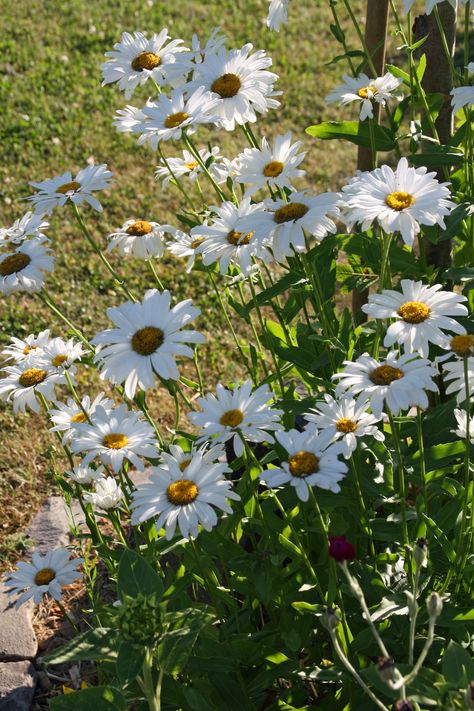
<point>462,544</point>
<point>421,447</point>
<point>192,148</point>
<point>177,181</point>
<point>152,269</point>
<point>67,616</point>
<point>153,695</point>
<point>384,269</point>
<point>413,609</point>
<point>401,478</point>
<point>48,301</point>
<point>364,514</point>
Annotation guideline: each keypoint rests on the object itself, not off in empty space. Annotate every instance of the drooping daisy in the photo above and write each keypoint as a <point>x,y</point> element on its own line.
<point>114,435</point>
<point>230,239</point>
<point>55,192</point>
<point>422,314</point>
<point>62,354</point>
<point>214,42</point>
<point>400,200</point>
<point>284,224</point>
<point>461,419</point>
<point>454,371</point>
<point>66,416</point>
<point>366,91</point>
<point>237,412</point>
<point>45,574</point>
<point>136,59</point>
<point>146,341</point>
<point>24,269</point>
<point>19,349</point>
<point>312,461</point>
<point>240,82</point>
<point>85,475</point>
<point>462,346</point>
<point>463,96</point>
<point>276,166</point>
<point>183,458</point>
<point>277,14</point>
<point>23,382</point>
<point>346,419</point>
<point>187,165</point>
<point>142,238</point>
<point>126,119</point>
<point>107,494</point>
<point>26,227</point>
<point>184,498</point>
<point>399,382</point>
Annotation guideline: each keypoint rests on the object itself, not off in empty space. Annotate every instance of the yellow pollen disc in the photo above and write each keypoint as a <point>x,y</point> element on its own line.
<point>345,425</point>
<point>79,417</point>
<point>28,349</point>
<point>174,120</point>
<point>463,346</point>
<point>290,212</point>
<point>182,492</point>
<point>147,340</point>
<point>303,463</point>
<point>139,228</point>
<point>184,464</point>
<point>14,263</point>
<point>59,360</point>
<point>399,200</point>
<point>195,243</point>
<point>273,169</point>
<point>414,312</point>
<point>32,376</point>
<point>232,418</point>
<point>238,238</point>
<point>364,92</point>
<point>190,166</point>
<point>68,187</point>
<point>145,60</point>
<point>226,86</point>
<point>44,576</point>
<point>115,441</point>
<point>385,374</point>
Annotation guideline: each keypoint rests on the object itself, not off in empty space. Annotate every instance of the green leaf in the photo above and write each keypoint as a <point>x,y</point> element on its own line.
<point>420,70</point>
<point>443,155</point>
<point>99,643</point>
<point>99,698</point>
<point>458,667</point>
<point>399,73</point>
<point>355,132</point>
<point>286,543</point>
<point>338,33</point>
<point>129,662</point>
<point>135,576</point>
<point>442,539</point>
<point>178,642</point>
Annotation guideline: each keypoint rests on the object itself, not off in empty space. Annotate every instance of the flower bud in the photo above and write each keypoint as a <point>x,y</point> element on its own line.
<point>403,705</point>
<point>340,549</point>
<point>386,668</point>
<point>434,605</point>
<point>469,696</point>
<point>330,619</point>
<point>420,552</point>
<point>139,620</point>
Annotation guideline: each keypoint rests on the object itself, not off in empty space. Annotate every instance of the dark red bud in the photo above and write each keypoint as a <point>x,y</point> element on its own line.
<point>340,549</point>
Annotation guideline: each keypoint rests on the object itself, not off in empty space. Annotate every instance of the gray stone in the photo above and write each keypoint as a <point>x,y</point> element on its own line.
<point>17,638</point>
<point>17,686</point>
<point>50,526</point>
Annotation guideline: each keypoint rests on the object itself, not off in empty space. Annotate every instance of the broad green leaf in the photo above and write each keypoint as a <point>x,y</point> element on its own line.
<point>445,155</point>
<point>129,662</point>
<point>99,643</point>
<point>354,132</point>
<point>457,665</point>
<point>135,576</point>
<point>442,539</point>
<point>98,698</point>
<point>178,642</point>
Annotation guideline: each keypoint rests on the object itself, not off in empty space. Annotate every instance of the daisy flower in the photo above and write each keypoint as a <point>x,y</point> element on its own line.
<point>311,461</point>
<point>284,224</point>
<point>24,269</point>
<point>62,354</point>
<point>275,166</point>
<point>461,419</point>
<point>85,475</point>
<point>23,382</point>
<point>114,435</point>
<point>45,574</point>
<point>146,341</point>
<point>454,371</point>
<point>55,192</point>
<point>26,227</point>
<point>240,82</point>
<point>66,416</point>
<point>422,315</point>
<point>214,42</point>
<point>399,382</point>
<point>229,238</point>
<point>235,412</point>
<point>184,458</point>
<point>184,245</point>
<point>136,59</point>
<point>19,349</point>
<point>184,498</point>
<point>366,91</point>
<point>187,165</point>
<point>400,200</point>
<point>141,238</point>
<point>346,419</point>
<point>462,346</point>
<point>127,119</point>
<point>463,96</point>
<point>277,14</point>
<point>107,494</point>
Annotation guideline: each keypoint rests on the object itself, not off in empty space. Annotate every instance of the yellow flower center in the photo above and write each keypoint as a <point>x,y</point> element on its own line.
<point>32,376</point>
<point>68,187</point>
<point>364,91</point>
<point>190,166</point>
<point>139,228</point>
<point>59,360</point>
<point>399,200</point>
<point>226,86</point>
<point>184,464</point>
<point>345,425</point>
<point>290,212</point>
<point>238,238</point>
<point>414,312</point>
<point>232,418</point>
<point>195,243</point>
<point>44,576</point>
<point>174,120</point>
<point>182,492</point>
<point>147,340</point>
<point>28,349</point>
<point>79,417</point>
<point>463,346</point>
<point>303,463</point>
<point>115,441</point>
<point>14,263</point>
<point>145,60</point>
<point>385,374</point>
<point>273,169</point>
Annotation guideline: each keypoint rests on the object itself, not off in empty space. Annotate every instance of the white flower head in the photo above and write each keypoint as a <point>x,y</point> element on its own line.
<point>141,238</point>
<point>146,341</point>
<point>463,97</point>
<point>454,371</point>
<point>24,269</point>
<point>187,165</point>
<point>400,200</point>
<point>276,166</point>
<point>55,192</point>
<point>127,119</point>
<point>277,14</point>
<point>85,475</point>
<point>237,412</point>
<point>183,458</point>
<point>214,42</point>
<point>23,382</point>
<point>312,461</point>
<point>26,227</point>
<point>184,245</point>
<point>366,91</point>
<point>66,416</point>
<point>461,419</point>
<point>19,350</point>
<point>107,494</point>
<point>61,354</point>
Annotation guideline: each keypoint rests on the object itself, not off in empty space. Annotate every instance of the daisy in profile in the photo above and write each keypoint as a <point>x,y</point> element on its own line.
<point>399,382</point>
<point>366,91</point>
<point>277,14</point>
<point>19,349</point>
<point>462,346</point>
<point>241,83</point>
<point>185,498</point>
<point>140,238</point>
<point>400,200</point>
<point>214,42</point>
<point>235,413</point>
<point>24,381</point>
<point>310,461</point>
<point>275,166</point>
<point>136,59</point>
<point>66,416</point>
<point>27,227</point>
<point>461,420</point>
<point>55,192</point>
<point>146,341</point>
<point>177,455</point>
<point>107,494</point>
<point>85,475</point>
<point>45,574</point>
<point>24,269</point>
<point>185,246</point>
<point>114,435</point>
<point>285,224</point>
<point>229,238</point>
<point>422,314</point>
<point>61,354</point>
<point>454,371</point>
<point>187,165</point>
<point>345,419</point>
<point>463,97</point>
<point>126,119</point>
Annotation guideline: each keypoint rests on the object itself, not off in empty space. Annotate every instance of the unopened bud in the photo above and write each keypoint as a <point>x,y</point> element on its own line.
<point>420,552</point>
<point>386,668</point>
<point>434,605</point>
<point>403,705</point>
<point>469,696</point>
<point>330,619</point>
